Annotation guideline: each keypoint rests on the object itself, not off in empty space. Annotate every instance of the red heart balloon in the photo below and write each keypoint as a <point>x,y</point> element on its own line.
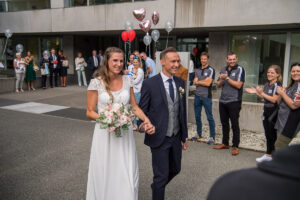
<point>131,35</point>
<point>124,36</point>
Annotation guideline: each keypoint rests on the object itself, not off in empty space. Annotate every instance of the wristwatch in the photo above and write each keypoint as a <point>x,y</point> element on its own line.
<point>227,78</point>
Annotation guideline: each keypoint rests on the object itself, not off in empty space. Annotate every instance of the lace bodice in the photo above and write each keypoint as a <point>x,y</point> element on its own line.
<point>121,96</point>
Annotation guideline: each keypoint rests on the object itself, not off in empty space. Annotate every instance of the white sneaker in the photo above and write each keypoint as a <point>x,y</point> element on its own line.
<point>263,158</point>
<point>22,90</point>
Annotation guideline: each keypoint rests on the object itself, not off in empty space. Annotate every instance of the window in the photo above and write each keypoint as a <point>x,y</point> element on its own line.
<point>256,52</point>
<point>19,5</point>
<point>71,3</point>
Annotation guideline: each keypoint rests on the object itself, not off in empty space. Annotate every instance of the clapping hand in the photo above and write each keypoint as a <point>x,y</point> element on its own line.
<point>250,90</point>
<point>280,90</point>
<point>259,90</point>
<point>223,76</point>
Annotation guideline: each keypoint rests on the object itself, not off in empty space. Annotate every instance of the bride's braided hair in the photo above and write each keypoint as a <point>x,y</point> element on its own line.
<point>103,70</point>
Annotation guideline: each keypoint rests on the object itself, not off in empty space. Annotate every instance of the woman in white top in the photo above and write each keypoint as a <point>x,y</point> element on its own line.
<point>80,65</point>
<point>137,75</point>
<point>19,65</point>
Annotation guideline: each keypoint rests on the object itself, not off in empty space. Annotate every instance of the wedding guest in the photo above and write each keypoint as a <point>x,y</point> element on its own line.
<point>80,65</point>
<point>204,77</point>
<point>137,53</point>
<point>19,65</point>
<point>137,75</point>
<point>268,93</point>
<point>100,56</point>
<point>53,68</point>
<point>288,122</point>
<point>30,73</point>
<point>191,71</point>
<point>150,65</point>
<point>45,62</point>
<point>93,62</point>
<point>276,180</point>
<point>129,63</point>
<point>232,78</point>
<point>182,72</point>
<point>63,66</point>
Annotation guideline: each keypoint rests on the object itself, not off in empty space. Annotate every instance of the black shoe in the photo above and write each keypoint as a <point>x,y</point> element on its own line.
<point>51,86</point>
<point>152,186</point>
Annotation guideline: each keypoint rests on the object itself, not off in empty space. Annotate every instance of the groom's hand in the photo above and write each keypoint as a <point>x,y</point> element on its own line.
<point>185,145</point>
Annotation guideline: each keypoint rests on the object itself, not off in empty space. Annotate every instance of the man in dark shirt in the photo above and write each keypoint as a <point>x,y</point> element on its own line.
<point>232,78</point>
<point>204,77</point>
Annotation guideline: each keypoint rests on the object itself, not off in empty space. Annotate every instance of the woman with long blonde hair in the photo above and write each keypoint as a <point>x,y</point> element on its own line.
<point>113,169</point>
<point>270,96</point>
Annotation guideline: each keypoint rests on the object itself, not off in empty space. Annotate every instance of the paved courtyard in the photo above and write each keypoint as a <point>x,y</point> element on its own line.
<point>45,145</point>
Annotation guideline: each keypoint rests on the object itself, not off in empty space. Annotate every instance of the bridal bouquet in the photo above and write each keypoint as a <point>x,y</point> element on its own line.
<point>116,116</point>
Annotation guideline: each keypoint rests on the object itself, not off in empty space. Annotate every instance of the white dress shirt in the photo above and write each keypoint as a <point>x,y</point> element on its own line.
<point>95,61</point>
<point>166,84</point>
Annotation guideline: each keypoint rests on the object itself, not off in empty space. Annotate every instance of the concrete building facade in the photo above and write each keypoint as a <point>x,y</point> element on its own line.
<point>261,32</point>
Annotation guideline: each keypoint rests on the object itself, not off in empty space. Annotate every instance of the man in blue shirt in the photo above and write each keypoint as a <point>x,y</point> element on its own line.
<point>150,65</point>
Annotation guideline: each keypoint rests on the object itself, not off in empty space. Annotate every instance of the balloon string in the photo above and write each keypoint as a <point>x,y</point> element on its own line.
<point>4,50</point>
<point>125,56</point>
<point>149,50</point>
<point>167,40</point>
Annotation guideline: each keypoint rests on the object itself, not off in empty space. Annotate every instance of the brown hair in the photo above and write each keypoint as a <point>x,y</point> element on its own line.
<point>103,70</point>
<point>166,51</point>
<point>140,62</point>
<point>278,71</point>
<point>204,53</point>
<point>296,64</point>
<point>230,53</point>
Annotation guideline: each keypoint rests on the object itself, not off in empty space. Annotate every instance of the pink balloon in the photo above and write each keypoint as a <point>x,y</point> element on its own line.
<point>145,25</point>
<point>155,17</point>
<point>139,14</point>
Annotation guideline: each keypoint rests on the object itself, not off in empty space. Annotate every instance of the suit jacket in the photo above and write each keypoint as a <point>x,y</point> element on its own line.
<point>91,63</point>
<point>51,60</point>
<point>154,104</point>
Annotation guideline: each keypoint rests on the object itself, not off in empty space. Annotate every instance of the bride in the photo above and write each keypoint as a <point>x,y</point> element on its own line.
<point>113,168</point>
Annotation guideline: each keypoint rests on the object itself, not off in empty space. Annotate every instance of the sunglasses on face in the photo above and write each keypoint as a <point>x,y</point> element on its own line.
<point>136,57</point>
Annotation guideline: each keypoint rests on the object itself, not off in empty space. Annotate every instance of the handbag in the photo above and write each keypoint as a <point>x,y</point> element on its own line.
<point>84,64</point>
<point>65,63</point>
<point>36,68</point>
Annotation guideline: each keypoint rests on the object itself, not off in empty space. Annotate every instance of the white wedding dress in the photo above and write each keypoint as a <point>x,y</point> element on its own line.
<point>113,169</point>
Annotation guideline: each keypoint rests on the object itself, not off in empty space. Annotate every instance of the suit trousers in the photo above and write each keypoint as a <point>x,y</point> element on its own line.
<point>166,162</point>
<point>55,72</point>
<point>230,111</point>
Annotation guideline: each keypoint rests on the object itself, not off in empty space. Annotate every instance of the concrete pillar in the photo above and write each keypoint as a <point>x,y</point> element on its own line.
<point>218,48</point>
<point>68,48</point>
<point>57,4</point>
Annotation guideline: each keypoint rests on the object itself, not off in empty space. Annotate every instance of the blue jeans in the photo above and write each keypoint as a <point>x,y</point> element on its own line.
<point>137,97</point>
<point>207,103</point>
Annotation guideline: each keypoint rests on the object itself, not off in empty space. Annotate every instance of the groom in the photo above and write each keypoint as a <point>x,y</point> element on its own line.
<point>163,101</point>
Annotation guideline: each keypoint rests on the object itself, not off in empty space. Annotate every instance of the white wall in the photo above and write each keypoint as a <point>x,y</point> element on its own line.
<point>84,18</point>
<point>222,13</point>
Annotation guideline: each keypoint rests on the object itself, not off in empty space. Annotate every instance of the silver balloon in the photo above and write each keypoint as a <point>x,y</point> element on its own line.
<point>46,53</point>
<point>19,48</point>
<point>8,33</point>
<point>155,35</point>
<point>155,17</point>
<point>128,25</point>
<point>139,14</point>
<point>145,25</point>
<point>169,26</point>
<point>147,40</point>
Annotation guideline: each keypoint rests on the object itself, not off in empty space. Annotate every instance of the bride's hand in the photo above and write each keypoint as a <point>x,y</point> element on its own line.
<point>148,127</point>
